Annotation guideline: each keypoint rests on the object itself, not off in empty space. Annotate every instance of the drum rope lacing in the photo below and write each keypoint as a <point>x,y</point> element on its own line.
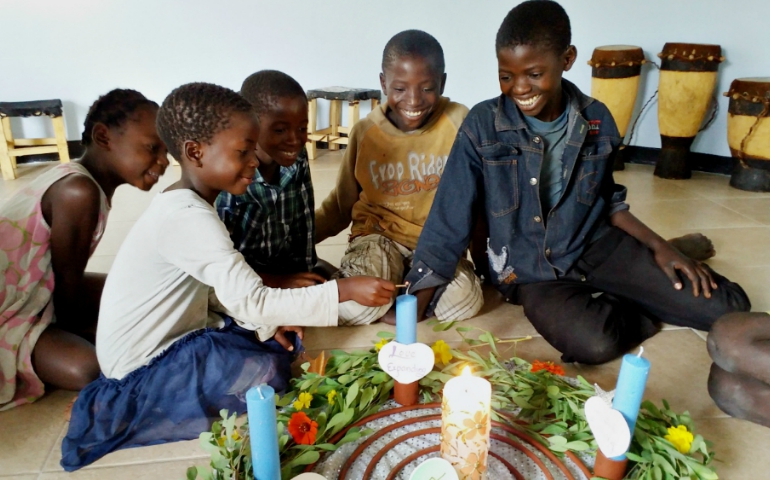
<point>714,111</point>
<point>762,114</point>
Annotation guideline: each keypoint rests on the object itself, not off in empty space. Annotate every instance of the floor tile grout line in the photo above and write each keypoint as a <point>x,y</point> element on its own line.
<point>744,216</point>
<point>62,430</point>
<point>158,461</point>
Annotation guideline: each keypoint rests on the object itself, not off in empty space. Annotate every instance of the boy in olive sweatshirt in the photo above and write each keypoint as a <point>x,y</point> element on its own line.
<point>389,175</point>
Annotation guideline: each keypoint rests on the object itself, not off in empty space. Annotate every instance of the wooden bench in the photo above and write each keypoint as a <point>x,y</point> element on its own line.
<point>333,134</point>
<point>10,148</point>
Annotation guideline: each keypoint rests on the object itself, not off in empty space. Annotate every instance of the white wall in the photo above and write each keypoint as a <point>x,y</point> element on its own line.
<point>78,49</point>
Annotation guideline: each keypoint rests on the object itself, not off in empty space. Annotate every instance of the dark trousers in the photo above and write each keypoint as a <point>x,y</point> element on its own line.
<point>615,297</point>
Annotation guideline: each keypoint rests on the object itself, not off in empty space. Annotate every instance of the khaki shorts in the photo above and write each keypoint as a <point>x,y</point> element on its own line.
<point>379,256</point>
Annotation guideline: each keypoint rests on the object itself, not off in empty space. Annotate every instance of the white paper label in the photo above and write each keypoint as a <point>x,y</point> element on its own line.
<point>608,426</point>
<point>434,469</point>
<point>406,363</point>
<point>309,476</point>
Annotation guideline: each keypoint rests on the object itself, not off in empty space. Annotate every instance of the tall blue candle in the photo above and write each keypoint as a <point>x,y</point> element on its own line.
<point>406,319</point>
<point>260,402</point>
<point>630,389</point>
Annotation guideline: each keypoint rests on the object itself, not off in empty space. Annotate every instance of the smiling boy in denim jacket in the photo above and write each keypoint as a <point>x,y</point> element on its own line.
<point>593,279</point>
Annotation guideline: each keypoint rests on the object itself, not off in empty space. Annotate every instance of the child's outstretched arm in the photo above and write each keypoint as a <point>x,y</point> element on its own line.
<point>447,231</point>
<point>335,213</point>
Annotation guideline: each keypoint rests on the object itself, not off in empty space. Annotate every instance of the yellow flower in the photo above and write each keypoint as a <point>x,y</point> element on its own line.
<point>680,437</point>
<point>303,401</point>
<point>378,346</point>
<point>441,352</point>
<point>331,396</point>
<point>221,440</point>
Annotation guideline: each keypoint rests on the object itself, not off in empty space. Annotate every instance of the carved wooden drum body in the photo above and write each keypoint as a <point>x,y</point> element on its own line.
<point>688,76</point>
<point>748,133</point>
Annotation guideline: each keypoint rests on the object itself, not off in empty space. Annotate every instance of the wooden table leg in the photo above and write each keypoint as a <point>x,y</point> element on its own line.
<point>335,118</point>
<point>61,139</point>
<point>312,117</point>
<point>7,162</point>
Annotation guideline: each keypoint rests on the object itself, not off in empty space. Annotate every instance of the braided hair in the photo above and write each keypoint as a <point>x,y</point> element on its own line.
<point>414,43</point>
<point>113,110</point>
<point>263,88</point>
<point>536,23</point>
<point>197,111</point>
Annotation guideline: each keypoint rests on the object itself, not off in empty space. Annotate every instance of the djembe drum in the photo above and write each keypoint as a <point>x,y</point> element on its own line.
<point>748,133</point>
<point>688,75</point>
<point>615,75</point>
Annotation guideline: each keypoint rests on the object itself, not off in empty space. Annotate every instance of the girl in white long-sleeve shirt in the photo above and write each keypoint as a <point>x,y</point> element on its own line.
<point>176,338</point>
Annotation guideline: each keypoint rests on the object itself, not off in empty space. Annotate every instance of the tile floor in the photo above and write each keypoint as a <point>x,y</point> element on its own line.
<point>738,222</point>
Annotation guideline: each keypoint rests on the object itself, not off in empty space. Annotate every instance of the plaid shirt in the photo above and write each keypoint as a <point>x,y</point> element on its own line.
<point>273,226</point>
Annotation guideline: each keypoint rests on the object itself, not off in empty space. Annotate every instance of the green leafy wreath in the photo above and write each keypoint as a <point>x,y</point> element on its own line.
<point>331,395</point>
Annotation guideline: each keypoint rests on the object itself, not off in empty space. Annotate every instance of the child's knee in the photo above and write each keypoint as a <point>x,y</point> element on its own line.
<point>463,297</point>
<point>596,351</point>
<point>80,374</point>
<point>352,313</point>
<point>729,393</point>
<point>731,335</point>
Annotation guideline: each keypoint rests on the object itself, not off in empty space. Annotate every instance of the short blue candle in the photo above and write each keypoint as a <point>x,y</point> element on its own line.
<point>630,389</point>
<point>406,319</point>
<point>260,403</point>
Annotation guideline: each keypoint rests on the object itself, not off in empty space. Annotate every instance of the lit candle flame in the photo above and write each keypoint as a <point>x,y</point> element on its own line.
<point>466,371</point>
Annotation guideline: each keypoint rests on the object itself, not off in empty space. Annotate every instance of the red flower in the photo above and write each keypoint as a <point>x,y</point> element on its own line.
<point>550,367</point>
<point>302,429</point>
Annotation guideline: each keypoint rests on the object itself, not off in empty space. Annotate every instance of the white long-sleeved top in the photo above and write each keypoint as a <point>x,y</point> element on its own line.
<point>158,289</point>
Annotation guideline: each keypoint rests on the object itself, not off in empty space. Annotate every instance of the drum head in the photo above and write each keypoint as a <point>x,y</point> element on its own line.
<point>617,55</point>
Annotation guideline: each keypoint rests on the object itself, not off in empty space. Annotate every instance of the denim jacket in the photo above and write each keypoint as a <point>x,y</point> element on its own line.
<point>494,167</point>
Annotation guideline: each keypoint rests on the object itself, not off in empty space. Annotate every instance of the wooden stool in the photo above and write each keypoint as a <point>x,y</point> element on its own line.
<point>333,134</point>
<point>11,148</point>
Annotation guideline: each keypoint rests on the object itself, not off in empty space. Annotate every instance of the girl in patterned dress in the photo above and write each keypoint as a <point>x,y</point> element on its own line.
<point>48,230</point>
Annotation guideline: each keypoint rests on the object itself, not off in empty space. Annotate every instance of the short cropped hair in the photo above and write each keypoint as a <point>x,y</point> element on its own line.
<point>263,88</point>
<point>536,23</point>
<point>197,111</point>
<point>411,44</point>
<point>113,109</point>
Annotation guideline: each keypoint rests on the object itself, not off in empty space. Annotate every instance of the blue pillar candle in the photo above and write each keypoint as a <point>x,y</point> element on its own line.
<point>260,403</point>
<point>406,319</point>
<point>630,389</point>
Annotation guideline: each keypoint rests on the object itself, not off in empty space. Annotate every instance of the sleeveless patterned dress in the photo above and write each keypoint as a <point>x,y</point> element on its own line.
<point>27,282</point>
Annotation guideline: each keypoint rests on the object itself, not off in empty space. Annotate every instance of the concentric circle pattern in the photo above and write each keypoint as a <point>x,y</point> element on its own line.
<point>403,437</point>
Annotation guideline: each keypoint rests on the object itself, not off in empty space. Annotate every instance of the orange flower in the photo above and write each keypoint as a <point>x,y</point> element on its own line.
<point>475,426</point>
<point>475,466</point>
<point>302,429</point>
<point>550,367</point>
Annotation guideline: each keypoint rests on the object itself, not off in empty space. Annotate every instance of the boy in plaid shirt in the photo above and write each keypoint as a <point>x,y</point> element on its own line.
<point>272,224</point>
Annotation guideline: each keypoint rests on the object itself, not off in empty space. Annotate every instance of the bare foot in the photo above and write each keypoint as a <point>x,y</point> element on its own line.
<point>695,245</point>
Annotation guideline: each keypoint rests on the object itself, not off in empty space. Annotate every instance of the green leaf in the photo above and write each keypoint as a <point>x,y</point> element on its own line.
<point>705,473</point>
<point>553,430</point>
<point>366,398</point>
<point>636,458</point>
<point>192,473</point>
<point>386,335</point>
<point>663,463</point>
<point>352,394</point>
<point>557,440</point>
<point>577,446</point>
<point>657,473</point>
<point>553,391</point>
<point>305,458</point>
<point>380,377</point>
<point>340,420</point>
<point>441,327</point>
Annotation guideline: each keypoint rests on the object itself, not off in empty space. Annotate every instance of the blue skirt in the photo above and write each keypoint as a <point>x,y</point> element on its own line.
<point>177,396</point>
